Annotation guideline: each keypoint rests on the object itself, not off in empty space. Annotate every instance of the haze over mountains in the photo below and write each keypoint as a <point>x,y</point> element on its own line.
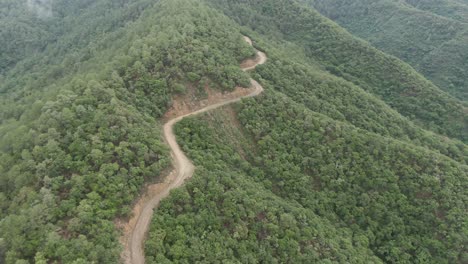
<point>356,152</point>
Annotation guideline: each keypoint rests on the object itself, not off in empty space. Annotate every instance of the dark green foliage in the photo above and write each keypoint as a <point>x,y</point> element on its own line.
<point>435,46</point>
<point>382,75</point>
<point>78,143</point>
<point>226,214</point>
<point>333,164</point>
<point>342,100</point>
<point>403,202</point>
<point>50,26</point>
<point>327,145</point>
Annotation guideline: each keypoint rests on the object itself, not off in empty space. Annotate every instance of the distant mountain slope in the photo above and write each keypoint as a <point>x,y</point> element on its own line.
<point>426,34</point>
<point>384,76</point>
<point>454,9</point>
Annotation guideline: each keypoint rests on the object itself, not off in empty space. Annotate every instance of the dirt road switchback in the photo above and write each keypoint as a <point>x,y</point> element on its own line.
<point>183,169</point>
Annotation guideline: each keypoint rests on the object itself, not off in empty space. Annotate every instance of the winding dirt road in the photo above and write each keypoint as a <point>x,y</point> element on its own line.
<point>183,168</point>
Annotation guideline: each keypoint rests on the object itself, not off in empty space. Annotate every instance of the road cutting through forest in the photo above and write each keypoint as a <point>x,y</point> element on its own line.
<point>183,169</point>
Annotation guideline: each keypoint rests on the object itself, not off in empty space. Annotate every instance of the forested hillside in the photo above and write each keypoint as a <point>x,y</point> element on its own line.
<point>387,78</point>
<point>349,156</point>
<point>323,143</point>
<point>261,188</point>
<point>78,146</point>
<point>432,36</point>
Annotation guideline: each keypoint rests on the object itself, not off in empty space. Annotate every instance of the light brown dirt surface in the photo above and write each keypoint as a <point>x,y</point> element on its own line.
<point>185,104</point>
<point>136,229</point>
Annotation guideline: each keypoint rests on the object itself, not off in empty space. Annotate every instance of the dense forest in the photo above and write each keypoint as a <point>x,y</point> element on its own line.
<point>349,156</point>
<point>340,53</point>
<point>432,36</point>
<point>381,194</point>
<point>78,145</point>
<point>321,140</point>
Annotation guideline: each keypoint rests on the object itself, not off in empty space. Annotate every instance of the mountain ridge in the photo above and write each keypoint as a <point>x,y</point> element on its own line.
<point>349,155</point>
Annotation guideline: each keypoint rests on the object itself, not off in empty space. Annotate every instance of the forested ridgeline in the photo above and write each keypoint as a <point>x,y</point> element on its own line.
<point>278,182</point>
<point>333,164</point>
<point>278,175</point>
<point>432,36</point>
<point>340,53</point>
<point>341,100</point>
<point>77,149</point>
